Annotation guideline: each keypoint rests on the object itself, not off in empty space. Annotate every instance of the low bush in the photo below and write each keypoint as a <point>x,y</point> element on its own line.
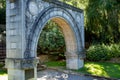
<point>115,50</point>
<point>98,52</point>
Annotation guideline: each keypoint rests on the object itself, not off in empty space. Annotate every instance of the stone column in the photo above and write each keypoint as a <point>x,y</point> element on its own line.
<point>74,61</point>
<point>18,67</point>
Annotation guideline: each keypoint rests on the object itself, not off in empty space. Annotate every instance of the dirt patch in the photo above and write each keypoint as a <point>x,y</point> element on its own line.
<point>44,58</point>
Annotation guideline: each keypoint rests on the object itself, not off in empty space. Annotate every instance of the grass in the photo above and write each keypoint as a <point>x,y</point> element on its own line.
<point>3,73</point>
<point>55,64</point>
<point>110,70</point>
<point>105,69</point>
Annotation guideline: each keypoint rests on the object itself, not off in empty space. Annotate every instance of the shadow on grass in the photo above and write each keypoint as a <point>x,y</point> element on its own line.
<point>105,69</point>
<point>112,69</point>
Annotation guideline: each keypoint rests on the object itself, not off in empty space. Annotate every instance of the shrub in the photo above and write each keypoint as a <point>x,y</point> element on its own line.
<point>98,53</point>
<point>115,50</point>
<point>103,52</point>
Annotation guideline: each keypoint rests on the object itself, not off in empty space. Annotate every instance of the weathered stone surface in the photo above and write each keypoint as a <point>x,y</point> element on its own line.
<point>25,64</point>
<point>25,20</point>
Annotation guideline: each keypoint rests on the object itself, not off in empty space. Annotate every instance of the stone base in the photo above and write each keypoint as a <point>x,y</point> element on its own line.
<point>22,69</point>
<point>74,63</point>
<point>17,74</point>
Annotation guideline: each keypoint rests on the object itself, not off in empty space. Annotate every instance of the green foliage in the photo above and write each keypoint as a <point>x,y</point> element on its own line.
<point>115,50</point>
<point>2,33</point>
<point>2,12</point>
<point>77,3</point>
<point>98,53</point>
<point>2,3</point>
<point>2,16</point>
<point>103,20</point>
<point>103,52</point>
<point>2,20</point>
<point>2,71</point>
<point>51,40</point>
<point>55,63</point>
<point>110,70</point>
<point>102,25</point>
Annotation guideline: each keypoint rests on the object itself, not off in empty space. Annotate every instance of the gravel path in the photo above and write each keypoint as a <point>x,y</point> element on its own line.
<point>50,74</point>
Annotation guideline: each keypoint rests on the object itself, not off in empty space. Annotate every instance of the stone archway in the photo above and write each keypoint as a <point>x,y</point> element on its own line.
<point>25,21</point>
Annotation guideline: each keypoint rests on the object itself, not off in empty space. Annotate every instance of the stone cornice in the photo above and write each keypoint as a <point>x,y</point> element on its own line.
<point>61,4</point>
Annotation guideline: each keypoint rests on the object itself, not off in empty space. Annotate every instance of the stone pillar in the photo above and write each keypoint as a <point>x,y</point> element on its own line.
<point>74,61</point>
<point>18,67</point>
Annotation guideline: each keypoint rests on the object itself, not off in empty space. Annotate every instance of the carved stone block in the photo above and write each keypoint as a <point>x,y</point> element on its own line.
<point>13,63</point>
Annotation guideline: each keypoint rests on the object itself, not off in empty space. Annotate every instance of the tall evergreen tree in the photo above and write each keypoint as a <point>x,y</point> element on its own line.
<point>102,20</point>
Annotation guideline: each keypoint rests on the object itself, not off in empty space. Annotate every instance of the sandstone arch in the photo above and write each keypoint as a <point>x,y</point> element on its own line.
<point>25,21</point>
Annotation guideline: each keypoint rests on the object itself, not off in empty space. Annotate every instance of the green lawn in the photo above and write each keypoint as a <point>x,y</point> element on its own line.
<point>3,73</point>
<point>55,63</point>
<point>101,69</point>
<point>95,68</point>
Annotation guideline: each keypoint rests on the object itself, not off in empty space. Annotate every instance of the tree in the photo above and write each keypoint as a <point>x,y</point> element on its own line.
<point>102,20</point>
<point>2,20</point>
<point>2,4</point>
<point>51,41</point>
<point>2,12</point>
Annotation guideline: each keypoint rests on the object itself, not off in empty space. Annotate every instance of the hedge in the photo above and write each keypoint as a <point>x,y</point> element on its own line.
<point>102,52</point>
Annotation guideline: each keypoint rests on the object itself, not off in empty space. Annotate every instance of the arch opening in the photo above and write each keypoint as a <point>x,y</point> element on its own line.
<point>69,44</point>
<point>51,43</point>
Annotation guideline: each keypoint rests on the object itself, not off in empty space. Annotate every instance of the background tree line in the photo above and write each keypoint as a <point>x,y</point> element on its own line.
<point>2,20</point>
<point>2,12</point>
<point>102,25</point>
<point>102,19</point>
